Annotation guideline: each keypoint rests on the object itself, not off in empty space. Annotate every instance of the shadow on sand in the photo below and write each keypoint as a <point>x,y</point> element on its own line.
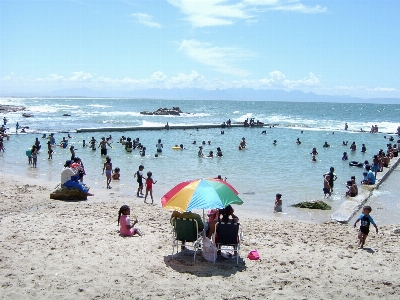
<point>183,262</point>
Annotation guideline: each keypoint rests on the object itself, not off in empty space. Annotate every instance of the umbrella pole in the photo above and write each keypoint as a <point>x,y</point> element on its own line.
<point>204,222</point>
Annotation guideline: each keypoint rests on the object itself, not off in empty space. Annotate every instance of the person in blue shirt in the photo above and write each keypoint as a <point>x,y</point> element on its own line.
<point>370,180</point>
<point>366,220</point>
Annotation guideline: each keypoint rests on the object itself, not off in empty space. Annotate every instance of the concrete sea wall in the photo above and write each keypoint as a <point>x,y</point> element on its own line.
<point>353,204</point>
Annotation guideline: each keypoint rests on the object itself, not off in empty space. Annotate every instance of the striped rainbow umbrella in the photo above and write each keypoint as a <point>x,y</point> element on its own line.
<point>200,194</point>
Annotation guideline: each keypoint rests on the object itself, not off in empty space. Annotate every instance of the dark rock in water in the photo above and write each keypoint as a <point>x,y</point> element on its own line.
<point>10,108</point>
<point>146,113</point>
<point>176,111</point>
<point>26,115</point>
<point>318,204</point>
<point>68,193</point>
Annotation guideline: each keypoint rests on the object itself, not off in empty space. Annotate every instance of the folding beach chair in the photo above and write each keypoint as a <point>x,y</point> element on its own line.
<point>227,234</point>
<point>185,231</point>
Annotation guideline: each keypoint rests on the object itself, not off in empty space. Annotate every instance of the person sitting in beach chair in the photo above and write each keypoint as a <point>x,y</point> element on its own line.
<point>227,232</point>
<point>186,227</point>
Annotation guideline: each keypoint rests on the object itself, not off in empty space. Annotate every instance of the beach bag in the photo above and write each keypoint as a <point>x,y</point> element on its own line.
<point>208,249</point>
<point>253,255</point>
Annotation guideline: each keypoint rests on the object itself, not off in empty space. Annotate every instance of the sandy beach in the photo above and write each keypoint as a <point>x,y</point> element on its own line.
<point>72,250</point>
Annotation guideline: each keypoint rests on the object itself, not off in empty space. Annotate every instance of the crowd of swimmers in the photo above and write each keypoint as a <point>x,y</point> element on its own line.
<point>379,162</point>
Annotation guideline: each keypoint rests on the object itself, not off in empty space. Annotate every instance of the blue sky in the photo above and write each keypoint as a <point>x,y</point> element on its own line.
<point>333,47</point>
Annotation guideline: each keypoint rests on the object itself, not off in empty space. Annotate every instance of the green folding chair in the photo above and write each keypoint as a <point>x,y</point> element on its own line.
<point>185,231</point>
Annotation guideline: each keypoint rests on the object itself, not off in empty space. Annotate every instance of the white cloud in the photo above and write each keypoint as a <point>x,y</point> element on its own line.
<point>55,77</point>
<point>362,88</point>
<point>211,12</point>
<point>202,13</point>
<point>220,59</point>
<point>146,19</point>
<point>79,76</point>
<point>276,80</point>
<point>261,2</point>
<point>158,76</point>
<point>300,8</point>
<point>192,80</point>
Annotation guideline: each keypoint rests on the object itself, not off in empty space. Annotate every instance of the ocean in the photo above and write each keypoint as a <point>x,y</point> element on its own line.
<point>258,172</point>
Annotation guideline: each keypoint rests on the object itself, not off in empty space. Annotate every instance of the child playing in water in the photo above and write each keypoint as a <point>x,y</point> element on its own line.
<point>143,152</point>
<point>29,154</point>
<point>126,229</point>
<point>353,181</point>
<point>115,175</point>
<point>34,154</point>
<point>345,156</point>
<point>366,220</point>
<point>149,187</point>
<point>72,150</point>
<point>108,168</point>
<point>49,150</point>
<point>278,203</point>
<point>200,153</point>
<point>365,178</point>
<point>327,186</point>
<point>351,190</point>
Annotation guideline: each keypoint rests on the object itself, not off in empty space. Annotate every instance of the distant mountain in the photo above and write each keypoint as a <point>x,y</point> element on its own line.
<point>243,94</point>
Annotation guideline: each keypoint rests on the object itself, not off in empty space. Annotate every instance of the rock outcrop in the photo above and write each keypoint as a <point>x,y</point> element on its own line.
<point>68,193</point>
<point>176,111</point>
<point>10,108</point>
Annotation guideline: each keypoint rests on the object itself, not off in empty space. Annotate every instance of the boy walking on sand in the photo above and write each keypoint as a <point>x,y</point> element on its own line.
<point>366,220</point>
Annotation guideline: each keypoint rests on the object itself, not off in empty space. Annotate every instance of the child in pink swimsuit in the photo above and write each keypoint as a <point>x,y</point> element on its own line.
<point>124,222</point>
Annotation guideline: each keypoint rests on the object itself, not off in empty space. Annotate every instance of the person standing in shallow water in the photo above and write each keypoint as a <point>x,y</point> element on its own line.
<point>103,144</point>
<point>107,167</point>
<point>159,146</point>
<point>363,148</point>
<point>50,150</point>
<point>278,203</point>
<point>332,177</point>
<point>353,146</point>
<point>327,187</point>
<point>34,152</point>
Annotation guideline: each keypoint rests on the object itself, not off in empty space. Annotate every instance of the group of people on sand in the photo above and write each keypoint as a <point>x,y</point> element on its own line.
<point>215,216</point>
<point>226,215</point>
